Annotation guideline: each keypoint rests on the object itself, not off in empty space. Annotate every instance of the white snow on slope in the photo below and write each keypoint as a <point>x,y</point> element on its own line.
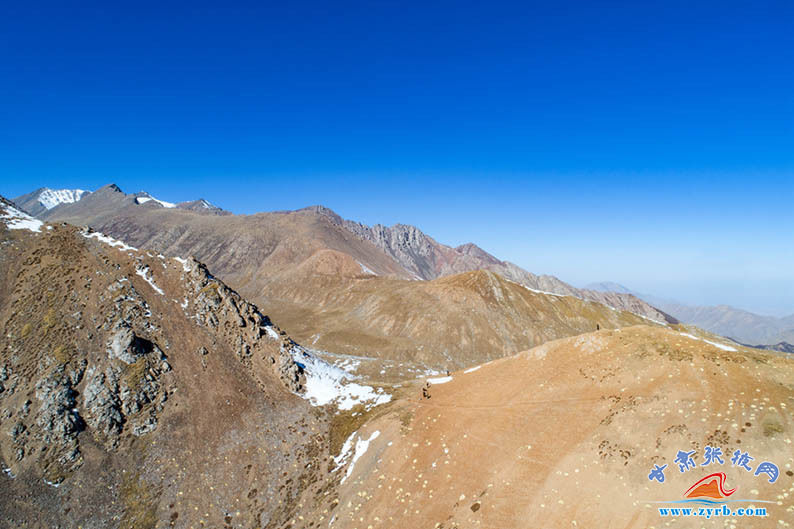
<point>472,369</point>
<point>366,269</point>
<point>144,272</point>
<point>17,220</point>
<point>440,380</point>
<point>184,263</point>
<point>326,383</point>
<point>721,345</point>
<point>586,301</point>
<point>110,241</point>
<point>715,344</point>
<point>147,198</point>
<point>49,198</point>
<point>360,449</point>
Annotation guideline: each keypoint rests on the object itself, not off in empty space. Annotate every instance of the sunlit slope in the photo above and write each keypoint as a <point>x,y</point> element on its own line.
<point>565,435</point>
<point>447,323</point>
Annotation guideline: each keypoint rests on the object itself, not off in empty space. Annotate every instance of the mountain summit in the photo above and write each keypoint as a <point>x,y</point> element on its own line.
<point>44,198</point>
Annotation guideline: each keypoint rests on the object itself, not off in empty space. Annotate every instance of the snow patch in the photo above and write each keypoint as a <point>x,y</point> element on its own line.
<point>326,384</point>
<point>439,380</point>
<point>109,241</point>
<point>184,262</point>
<point>146,198</point>
<point>366,269</point>
<point>345,451</point>
<point>472,369</point>
<point>49,198</point>
<point>271,332</point>
<point>721,345</point>
<point>715,344</point>
<point>360,449</point>
<point>144,272</point>
<point>18,220</point>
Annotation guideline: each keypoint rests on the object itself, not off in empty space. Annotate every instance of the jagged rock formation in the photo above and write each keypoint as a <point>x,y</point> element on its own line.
<point>428,259</point>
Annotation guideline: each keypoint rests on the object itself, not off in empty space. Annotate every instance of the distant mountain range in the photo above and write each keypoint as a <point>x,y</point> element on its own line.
<point>345,287</point>
<point>740,325</point>
<point>43,199</point>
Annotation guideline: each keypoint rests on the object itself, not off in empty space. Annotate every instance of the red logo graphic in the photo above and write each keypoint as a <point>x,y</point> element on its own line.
<point>712,486</point>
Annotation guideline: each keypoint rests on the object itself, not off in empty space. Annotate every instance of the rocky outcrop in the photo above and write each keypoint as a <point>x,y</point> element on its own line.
<point>58,419</point>
<point>428,259</point>
<point>136,389</point>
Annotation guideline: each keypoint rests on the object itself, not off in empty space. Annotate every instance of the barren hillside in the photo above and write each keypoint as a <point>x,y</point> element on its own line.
<point>566,434</point>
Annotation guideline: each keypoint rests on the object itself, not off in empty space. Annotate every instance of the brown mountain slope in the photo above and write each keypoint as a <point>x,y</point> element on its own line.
<point>138,392</point>
<point>304,266</point>
<point>426,258</point>
<point>566,434</point>
<point>447,323</point>
<point>242,249</point>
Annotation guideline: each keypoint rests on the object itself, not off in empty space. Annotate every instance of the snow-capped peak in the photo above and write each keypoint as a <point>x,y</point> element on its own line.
<point>49,198</point>
<point>146,197</point>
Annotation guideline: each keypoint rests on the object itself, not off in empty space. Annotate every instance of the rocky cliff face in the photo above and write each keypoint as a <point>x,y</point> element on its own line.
<point>428,259</point>
<point>140,391</point>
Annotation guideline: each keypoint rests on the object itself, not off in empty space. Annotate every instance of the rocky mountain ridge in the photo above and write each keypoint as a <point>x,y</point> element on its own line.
<point>140,391</point>
<point>425,258</point>
<point>315,273</point>
<point>418,255</point>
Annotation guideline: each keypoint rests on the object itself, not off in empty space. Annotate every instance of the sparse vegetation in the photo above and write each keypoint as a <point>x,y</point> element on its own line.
<point>134,374</point>
<point>62,354</point>
<point>140,506</point>
<point>772,427</point>
<point>49,320</point>
<point>345,423</point>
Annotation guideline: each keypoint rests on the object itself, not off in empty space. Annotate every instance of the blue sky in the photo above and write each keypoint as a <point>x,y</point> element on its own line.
<point>651,145</point>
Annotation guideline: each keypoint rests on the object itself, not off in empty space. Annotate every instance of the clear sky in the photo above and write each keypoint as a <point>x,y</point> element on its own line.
<point>649,143</point>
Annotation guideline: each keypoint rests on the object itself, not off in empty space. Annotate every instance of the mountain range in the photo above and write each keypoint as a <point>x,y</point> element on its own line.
<point>740,325</point>
<point>345,288</point>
